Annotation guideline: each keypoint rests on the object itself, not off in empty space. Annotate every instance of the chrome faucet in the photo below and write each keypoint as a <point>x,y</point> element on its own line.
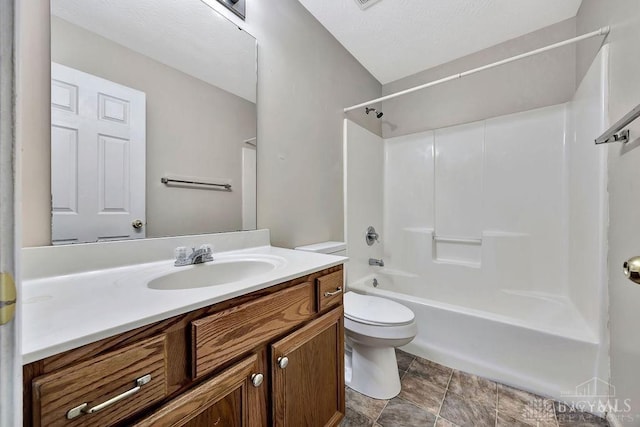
<point>378,262</point>
<point>197,256</point>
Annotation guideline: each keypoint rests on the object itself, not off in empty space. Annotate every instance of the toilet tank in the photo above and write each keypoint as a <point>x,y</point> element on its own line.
<point>332,248</point>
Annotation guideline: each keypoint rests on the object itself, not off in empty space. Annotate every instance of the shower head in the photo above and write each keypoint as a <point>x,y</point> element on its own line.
<point>379,114</point>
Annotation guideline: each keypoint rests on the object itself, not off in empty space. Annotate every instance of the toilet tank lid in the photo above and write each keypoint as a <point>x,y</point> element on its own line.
<point>324,247</point>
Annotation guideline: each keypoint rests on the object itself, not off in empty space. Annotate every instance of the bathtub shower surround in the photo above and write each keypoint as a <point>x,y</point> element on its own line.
<point>493,233</point>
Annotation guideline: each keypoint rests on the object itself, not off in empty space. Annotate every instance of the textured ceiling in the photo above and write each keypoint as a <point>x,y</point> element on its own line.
<point>186,35</point>
<point>397,38</point>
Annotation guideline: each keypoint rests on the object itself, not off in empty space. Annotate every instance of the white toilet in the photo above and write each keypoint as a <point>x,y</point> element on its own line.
<point>373,326</point>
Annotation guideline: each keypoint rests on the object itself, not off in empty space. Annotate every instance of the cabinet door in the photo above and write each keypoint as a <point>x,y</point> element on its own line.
<point>229,399</point>
<point>308,374</point>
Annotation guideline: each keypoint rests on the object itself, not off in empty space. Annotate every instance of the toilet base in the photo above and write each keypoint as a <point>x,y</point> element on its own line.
<point>373,371</point>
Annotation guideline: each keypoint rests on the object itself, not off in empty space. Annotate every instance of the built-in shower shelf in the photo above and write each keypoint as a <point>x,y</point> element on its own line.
<point>458,262</point>
<point>465,252</point>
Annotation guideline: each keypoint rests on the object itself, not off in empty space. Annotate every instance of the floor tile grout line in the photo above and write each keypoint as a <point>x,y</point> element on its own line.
<point>405,373</point>
<point>555,415</point>
<point>388,400</point>
<point>381,411</point>
<point>416,405</point>
<point>437,416</point>
<point>497,403</point>
<point>375,421</point>
<point>444,396</point>
<point>380,414</point>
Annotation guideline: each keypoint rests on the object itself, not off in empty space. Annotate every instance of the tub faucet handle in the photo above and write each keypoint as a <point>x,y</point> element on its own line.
<point>372,236</point>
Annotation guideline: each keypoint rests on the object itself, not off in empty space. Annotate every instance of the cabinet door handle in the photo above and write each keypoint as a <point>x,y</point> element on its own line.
<point>336,292</point>
<point>256,379</point>
<point>283,362</point>
<point>82,409</point>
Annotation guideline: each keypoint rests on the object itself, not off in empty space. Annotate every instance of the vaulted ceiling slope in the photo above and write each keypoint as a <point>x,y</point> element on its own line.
<point>397,38</point>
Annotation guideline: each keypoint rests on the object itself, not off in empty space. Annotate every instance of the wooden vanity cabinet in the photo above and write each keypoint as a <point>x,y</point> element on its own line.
<point>221,365</point>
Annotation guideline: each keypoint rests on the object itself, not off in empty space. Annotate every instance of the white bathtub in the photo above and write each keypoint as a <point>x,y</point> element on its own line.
<point>519,342</point>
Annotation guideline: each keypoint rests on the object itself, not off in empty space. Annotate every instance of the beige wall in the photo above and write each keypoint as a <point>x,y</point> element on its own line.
<point>305,80</point>
<point>193,129</point>
<point>535,82</point>
<point>623,185</point>
<point>33,121</point>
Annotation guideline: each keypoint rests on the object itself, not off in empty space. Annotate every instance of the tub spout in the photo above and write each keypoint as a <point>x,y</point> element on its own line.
<point>378,262</point>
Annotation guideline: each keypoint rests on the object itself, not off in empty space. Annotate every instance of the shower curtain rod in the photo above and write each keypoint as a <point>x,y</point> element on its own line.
<point>601,32</point>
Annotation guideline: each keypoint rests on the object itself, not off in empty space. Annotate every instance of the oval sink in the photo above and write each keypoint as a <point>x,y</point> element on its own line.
<point>211,274</point>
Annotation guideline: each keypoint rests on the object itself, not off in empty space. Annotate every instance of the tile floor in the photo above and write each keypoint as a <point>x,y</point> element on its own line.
<point>434,395</point>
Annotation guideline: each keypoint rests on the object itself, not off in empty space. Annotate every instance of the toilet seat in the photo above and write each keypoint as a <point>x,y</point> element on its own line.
<point>375,311</point>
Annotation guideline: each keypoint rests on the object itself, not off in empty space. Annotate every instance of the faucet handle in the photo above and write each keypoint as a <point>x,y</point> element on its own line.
<point>207,247</point>
<point>180,252</point>
<point>371,236</point>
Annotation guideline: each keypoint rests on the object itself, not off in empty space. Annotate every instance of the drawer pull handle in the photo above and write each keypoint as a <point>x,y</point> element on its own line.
<point>82,409</point>
<point>336,292</point>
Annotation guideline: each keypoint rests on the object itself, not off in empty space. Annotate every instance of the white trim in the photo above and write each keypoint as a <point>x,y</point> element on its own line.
<point>10,360</point>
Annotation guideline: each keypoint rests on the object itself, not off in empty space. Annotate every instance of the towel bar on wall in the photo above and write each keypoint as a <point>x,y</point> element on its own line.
<point>617,132</point>
<point>169,181</point>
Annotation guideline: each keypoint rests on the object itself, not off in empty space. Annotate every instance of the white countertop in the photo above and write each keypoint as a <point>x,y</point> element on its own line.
<point>63,312</point>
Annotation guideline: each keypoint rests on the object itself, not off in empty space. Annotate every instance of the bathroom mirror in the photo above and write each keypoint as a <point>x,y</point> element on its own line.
<point>153,120</point>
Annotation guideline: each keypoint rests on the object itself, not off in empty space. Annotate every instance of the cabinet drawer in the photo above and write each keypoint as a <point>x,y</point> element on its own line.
<point>58,396</point>
<point>330,290</point>
<point>221,337</point>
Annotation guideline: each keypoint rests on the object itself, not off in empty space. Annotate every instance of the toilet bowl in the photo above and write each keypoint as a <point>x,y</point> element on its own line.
<point>373,327</point>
